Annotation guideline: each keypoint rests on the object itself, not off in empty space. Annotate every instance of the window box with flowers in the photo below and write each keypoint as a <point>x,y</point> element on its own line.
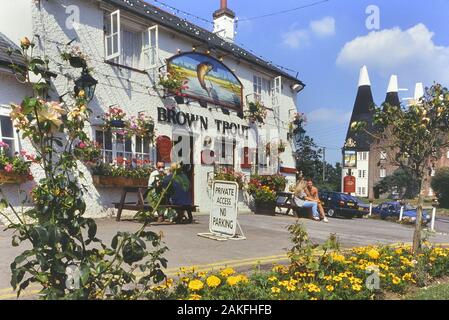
<point>14,169</point>
<point>142,126</point>
<point>119,175</point>
<point>75,57</point>
<point>174,83</point>
<point>256,112</point>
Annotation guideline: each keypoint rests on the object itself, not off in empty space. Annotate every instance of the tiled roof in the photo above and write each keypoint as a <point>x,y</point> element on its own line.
<point>187,28</point>
<point>5,45</point>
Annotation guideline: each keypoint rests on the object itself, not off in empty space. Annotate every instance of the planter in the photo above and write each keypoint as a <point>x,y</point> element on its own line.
<point>117,123</point>
<point>266,208</point>
<point>119,182</point>
<point>12,178</point>
<point>77,62</point>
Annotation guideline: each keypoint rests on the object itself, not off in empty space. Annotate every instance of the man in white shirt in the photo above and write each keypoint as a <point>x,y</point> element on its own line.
<point>160,168</point>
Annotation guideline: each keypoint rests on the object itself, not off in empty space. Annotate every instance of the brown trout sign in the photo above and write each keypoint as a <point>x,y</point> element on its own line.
<point>207,79</point>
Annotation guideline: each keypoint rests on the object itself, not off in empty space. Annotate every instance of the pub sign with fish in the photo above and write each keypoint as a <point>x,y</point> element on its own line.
<point>207,79</point>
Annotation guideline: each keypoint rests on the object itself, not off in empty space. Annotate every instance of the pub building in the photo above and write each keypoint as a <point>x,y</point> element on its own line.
<point>129,45</point>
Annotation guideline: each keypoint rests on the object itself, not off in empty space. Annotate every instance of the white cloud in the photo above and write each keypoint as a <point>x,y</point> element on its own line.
<point>296,38</point>
<point>324,27</point>
<point>328,115</point>
<point>411,53</point>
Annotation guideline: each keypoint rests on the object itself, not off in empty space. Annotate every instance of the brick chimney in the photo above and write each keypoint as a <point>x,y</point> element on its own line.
<point>224,21</point>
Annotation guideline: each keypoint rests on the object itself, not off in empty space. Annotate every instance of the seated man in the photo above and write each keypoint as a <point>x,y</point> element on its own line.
<point>301,201</point>
<point>312,195</point>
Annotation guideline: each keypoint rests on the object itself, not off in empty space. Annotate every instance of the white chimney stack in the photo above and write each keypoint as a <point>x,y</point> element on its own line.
<point>224,22</point>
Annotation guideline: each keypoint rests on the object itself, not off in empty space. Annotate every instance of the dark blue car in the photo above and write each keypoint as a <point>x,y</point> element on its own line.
<point>393,210</point>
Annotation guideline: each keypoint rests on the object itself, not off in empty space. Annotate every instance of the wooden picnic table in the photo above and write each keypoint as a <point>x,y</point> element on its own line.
<point>141,204</point>
<point>285,200</point>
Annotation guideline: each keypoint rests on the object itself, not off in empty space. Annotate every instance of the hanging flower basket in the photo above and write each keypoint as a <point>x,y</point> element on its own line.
<point>119,182</point>
<point>12,178</point>
<point>117,123</point>
<point>77,62</point>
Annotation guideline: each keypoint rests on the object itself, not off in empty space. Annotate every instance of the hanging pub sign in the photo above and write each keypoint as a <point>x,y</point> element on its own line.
<point>350,159</point>
<point>207,79</point>
<point>349,184</point>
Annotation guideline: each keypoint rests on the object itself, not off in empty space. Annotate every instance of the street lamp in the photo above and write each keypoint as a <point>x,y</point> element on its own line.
<point>300,134</point>
<point>86,83</point>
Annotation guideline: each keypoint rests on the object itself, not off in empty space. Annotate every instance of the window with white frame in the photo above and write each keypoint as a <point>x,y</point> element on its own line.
<point>363,156</point>
<point>383,155</point>
<point>119,149</point>
<point>7,134</point>
<point>383,172</point>
<point>262,89</point>
<point>129,44</point>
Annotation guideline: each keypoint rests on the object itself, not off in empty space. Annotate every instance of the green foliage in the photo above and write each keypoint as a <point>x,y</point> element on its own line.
<point>64,255</point>
<point>440,184</point>
<point>401,180</point>
<point>111,170</point>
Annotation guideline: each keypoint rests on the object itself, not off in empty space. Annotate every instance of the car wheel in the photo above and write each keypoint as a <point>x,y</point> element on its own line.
<point>331,213</point>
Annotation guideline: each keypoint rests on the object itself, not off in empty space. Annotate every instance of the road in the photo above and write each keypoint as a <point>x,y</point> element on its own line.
<point>267,240</point>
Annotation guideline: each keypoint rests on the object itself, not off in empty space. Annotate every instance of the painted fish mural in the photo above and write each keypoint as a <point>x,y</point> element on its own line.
<point>202,71</point>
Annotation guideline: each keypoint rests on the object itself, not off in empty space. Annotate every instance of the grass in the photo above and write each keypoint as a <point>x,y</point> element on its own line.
<point>435,292</point>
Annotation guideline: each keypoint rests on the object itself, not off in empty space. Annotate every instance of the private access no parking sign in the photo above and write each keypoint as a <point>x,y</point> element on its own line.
<point>223,216</point>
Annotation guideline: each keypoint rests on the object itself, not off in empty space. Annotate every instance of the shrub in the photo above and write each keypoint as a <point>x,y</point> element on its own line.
<point>440,184</point>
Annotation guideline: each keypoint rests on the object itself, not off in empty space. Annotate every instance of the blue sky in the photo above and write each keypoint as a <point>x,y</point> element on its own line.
<point>327,44</point>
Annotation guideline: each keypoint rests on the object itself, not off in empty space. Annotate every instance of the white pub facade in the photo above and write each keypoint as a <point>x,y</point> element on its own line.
<point>128,45</point>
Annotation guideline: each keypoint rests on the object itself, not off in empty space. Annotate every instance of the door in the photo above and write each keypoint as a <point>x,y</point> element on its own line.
<point>183,146</point>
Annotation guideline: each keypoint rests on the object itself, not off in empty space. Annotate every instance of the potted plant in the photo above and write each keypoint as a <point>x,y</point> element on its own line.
<point>264,198</point>
<point>114,118</point>
<point>229,174</point>
<point>281,147</point>
<point>75,57</point>
<point>121,174</point>
<point>14,169</point>
<point>256,112</point>
<point>173,82</point>
<point>90,153</point>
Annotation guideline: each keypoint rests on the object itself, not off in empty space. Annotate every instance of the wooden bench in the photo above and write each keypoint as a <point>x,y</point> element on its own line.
<point>142,205</point>
<point>284,200</point>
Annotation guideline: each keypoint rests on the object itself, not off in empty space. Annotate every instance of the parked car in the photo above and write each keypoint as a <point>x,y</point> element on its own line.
<point>393,210</point>
<point>343,205</point>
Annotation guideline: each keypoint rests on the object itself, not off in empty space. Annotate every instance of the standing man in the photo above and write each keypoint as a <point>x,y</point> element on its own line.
<point>312,195</point>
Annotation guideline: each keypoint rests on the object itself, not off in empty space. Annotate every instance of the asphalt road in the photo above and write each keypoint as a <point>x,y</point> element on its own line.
<point>267,240</point>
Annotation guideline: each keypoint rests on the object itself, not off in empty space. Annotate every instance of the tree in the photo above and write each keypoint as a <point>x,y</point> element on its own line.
<point>440,184</point>
<point>309,159</point>
<point>413,136</point>
<point>400,180</point>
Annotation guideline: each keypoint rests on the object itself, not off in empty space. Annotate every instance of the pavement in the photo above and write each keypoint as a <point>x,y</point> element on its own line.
<point>267,241</point>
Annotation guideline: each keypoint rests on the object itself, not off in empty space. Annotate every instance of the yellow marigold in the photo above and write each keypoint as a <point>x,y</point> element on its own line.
<point>233,280</point>
<point>313,299</point>
<point>202,274</point>
<point>213,281</point>
<point>194,297</point>
<point>185,279</point>
<point>330,288</point>
<point>170,282</point>
<point>396,280</point>
<point>272,279</point>
<point>373,254</point>
<point>337,278</point>
<point>243,278</point>
<point>196,285</point>
<point>227,272</point>
<point>290,287</point>
<point>337,257</point>
<point>356,287</point>
<point>275,290</point>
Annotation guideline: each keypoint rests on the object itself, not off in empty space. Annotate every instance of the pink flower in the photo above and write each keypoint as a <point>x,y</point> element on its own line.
<point>23,153</point>
<point>9,168</point>
<point>4,145</point>
<point>82,145</point>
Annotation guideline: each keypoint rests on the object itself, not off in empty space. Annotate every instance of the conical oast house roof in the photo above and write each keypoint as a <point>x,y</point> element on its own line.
<point>393,92</point>
<point>363,111</point>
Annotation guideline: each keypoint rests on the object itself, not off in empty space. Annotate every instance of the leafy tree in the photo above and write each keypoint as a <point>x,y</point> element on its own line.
<point>414,136</point>
<point>403,181</point>
<point>309,159</point>
<point>440,184</point>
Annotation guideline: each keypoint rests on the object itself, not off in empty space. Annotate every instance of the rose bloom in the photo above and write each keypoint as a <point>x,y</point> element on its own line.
<point>9,168</point>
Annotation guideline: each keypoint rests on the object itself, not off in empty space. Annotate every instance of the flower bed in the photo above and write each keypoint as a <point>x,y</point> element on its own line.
<point>14,169</point>
<point>333,275</point>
